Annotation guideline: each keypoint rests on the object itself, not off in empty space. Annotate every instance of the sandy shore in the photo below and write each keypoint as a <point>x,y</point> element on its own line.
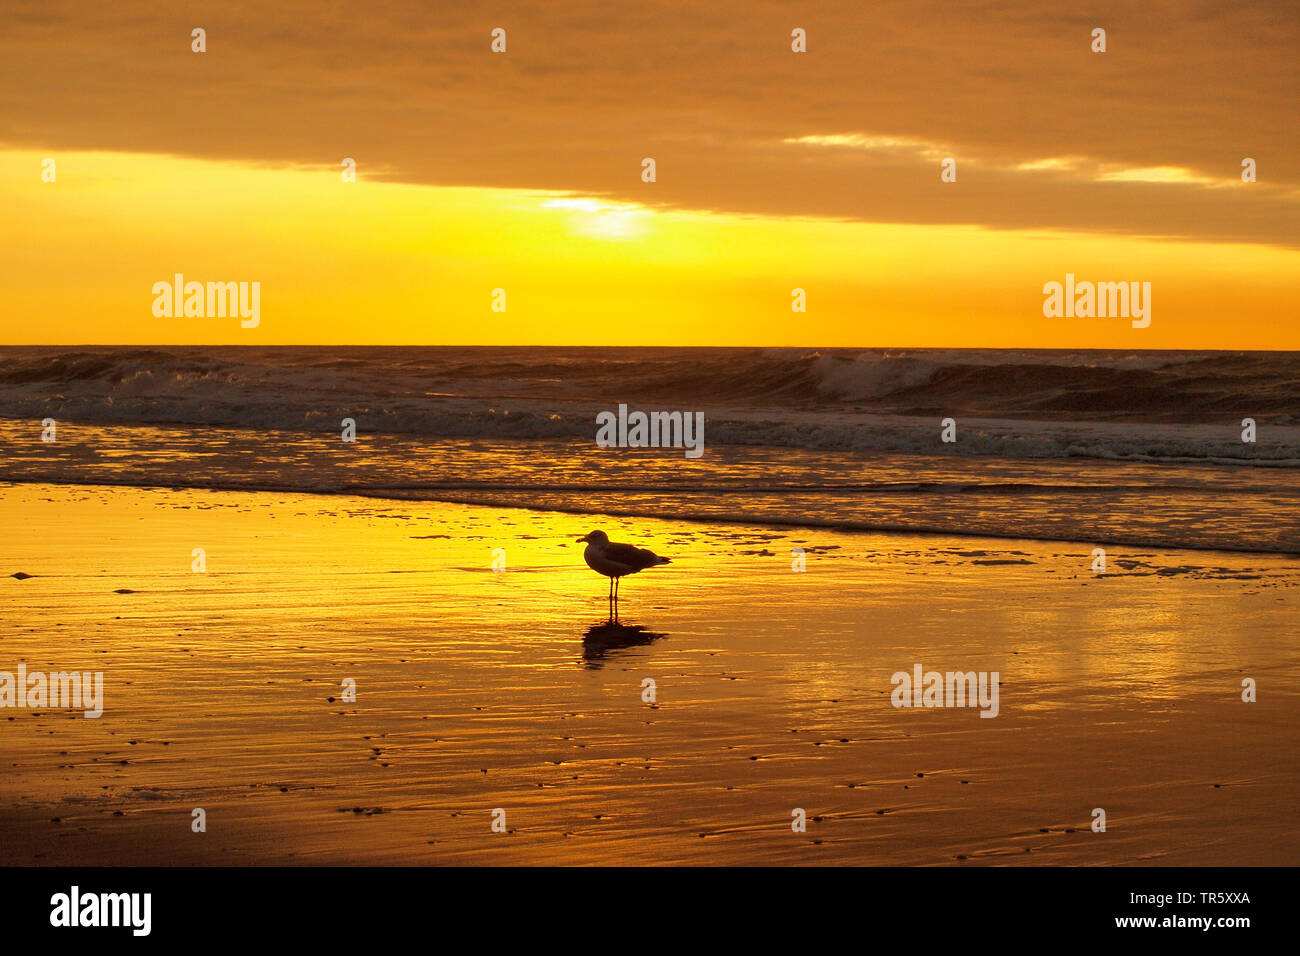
<point>476,689</point>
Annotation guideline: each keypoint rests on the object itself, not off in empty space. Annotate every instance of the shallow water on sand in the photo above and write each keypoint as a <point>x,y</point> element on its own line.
<point>481,689</point>
<point>1167,504</point>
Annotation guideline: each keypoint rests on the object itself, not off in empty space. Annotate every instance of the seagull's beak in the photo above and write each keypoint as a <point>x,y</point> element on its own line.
<point>583,538</point>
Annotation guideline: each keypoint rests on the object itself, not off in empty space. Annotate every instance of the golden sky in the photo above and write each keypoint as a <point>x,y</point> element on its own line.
<point>775,170</point>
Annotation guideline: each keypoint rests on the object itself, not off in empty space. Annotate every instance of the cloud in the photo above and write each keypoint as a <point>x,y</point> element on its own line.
<point>1046,134</point>
<point>1158,174</point>
<point>873,143</point>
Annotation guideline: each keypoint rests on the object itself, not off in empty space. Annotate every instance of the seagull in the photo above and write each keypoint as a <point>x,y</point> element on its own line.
<point>615,560</point>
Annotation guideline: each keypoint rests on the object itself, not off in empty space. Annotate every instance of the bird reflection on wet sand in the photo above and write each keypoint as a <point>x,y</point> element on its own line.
<point>611,635</point>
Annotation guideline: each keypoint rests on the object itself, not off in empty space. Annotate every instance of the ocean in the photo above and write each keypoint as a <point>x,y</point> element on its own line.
<point>1135,448</point>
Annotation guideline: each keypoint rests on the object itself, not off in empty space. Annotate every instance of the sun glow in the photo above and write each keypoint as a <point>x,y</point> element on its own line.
<point>602,220</point>
<point>382,262</point>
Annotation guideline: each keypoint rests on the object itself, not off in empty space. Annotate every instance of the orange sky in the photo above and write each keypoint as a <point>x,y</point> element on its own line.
<point>776,170</point>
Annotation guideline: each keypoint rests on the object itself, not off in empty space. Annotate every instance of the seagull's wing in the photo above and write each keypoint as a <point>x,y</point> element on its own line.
<point>633,557</point>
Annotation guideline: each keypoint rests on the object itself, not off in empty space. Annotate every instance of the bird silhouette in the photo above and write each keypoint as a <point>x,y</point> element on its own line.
<point>616,560</point>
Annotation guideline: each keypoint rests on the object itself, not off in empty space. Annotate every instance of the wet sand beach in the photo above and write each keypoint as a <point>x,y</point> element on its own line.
<point>479,689</point>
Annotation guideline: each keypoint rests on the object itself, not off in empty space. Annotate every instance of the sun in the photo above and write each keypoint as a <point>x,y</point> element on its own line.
<point>603,220</point>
